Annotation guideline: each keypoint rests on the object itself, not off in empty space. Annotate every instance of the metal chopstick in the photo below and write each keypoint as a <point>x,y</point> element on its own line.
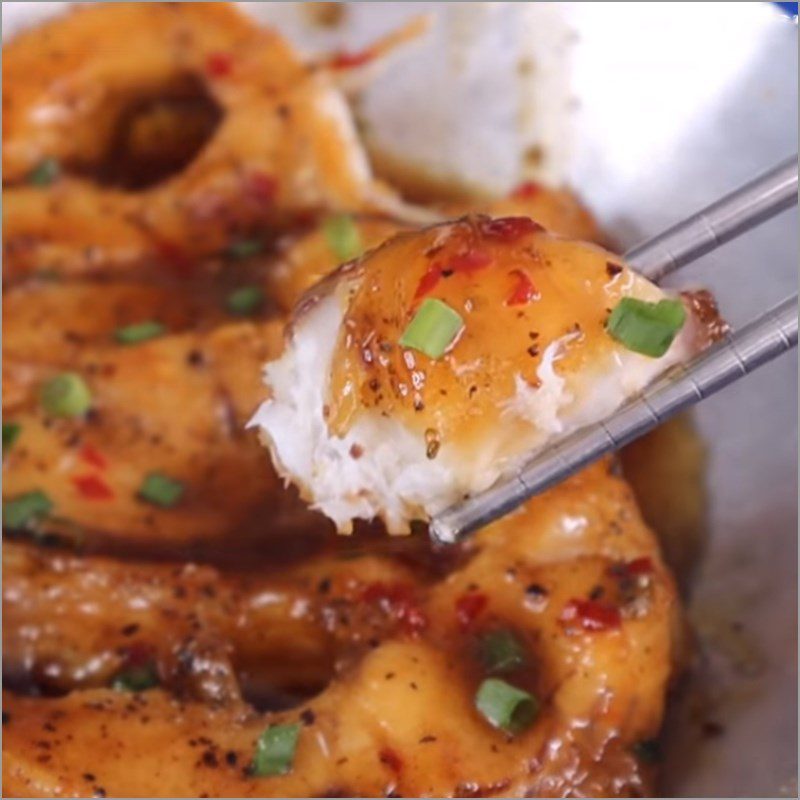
<point>727,218</point>
<point>760,341</point>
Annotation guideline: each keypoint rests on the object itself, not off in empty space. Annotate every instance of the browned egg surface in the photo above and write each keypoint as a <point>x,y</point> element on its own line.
<point>514,286</point>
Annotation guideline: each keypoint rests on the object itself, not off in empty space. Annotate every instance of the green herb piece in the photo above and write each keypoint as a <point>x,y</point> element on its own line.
<point>275,750</point>
<point>26,509</point>
<point>161,490</point>
<point>501,651</point>
<point>505,706</point>
<point>647,328</point>
<point>342,237</point>
<point>44,173</point>
<point>244,248</point>
<point>136,679</point>
<point>65,395</point>
<point>139,332</point>
<point>245,301</point>
<point>11,432</point>
<point>434,328</point>
<point>47,274</point>
<point>647,750</point>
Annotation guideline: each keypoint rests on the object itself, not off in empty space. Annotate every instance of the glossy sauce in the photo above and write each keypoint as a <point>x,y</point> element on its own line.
<point>515,287</point>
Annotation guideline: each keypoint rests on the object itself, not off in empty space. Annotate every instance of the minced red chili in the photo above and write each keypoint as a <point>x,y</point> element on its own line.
<point>93,456</point>
<point>218,65</point>
<point>175,258</point>
<point>591,615</point>
<point>261,187</point>
<point>92,487</point>
<point>509,229</point>
<point>391,759</point>
<point>631,569</point>
<point>398,600</point>
<point>428,281</point>
<point>469,261</point>
<point>640,566</point>
<point>469,607</point>
<point>524,291</point>
<point>526,190</point>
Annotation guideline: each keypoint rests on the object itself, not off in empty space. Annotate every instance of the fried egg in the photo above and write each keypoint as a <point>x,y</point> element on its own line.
<point>424,371</point>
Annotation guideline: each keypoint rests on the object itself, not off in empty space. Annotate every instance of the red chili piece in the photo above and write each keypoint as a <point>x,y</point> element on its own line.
<point>469,606</point>
<point>524,291</point>
<point>640,566</point>
<point>93,456</point>
<point>218,65</point>
<point>398,600</point>
<point>510,229</point>
<point>526,190</point>
<point>345,60</point>
<point>591,615</point>
<point>138,654</point>
<point>175,258</point>
<point>92,487</point>
<point>469,262</point>
<point>391,759</point>
<point>631,569</point>
<point>262,187</point>
<point>428,281</point>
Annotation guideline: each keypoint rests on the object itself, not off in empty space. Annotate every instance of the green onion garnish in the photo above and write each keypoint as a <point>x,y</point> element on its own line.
<point>244,248</point>
<point>275,750</point>
<point>245,300</point>
<point>501,651</point>
<point>44,173</point>
<point>136,679</point>
<point>342,236</point>
<point>11,432</point>
<point>27,509</point>
<point>646,328</point>
<point>505,706</point>
<point>434,328</point>
<point>139,332</point>
<point>647,750</point>
<point>65,395</point>
<point>161,490</point>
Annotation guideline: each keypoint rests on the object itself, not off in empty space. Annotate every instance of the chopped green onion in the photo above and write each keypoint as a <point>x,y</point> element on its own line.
<point>27,509</point>
<point>505,706</point>
<point>65,395</point>
<point>245,300</point>
<point>139,332</point>
<point>342,236</point>
<point>161,490</point>
<point>646,328</point>
<point>44,173</point>
<point>501,651</point>
<point>47,274</point>
<point>136,679</point>
<point>244,248</point>
<point>11,432</point>
<point>275,750</point>
<point>647,750</point>
<point>434,328</point>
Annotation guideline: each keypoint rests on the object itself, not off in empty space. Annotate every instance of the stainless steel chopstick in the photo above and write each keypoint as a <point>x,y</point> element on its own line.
<point>727,218</point>
<point>760,341</point>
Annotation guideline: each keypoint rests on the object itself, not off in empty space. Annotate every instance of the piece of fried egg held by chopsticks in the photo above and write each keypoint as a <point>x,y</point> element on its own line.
<point>433,365</point>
